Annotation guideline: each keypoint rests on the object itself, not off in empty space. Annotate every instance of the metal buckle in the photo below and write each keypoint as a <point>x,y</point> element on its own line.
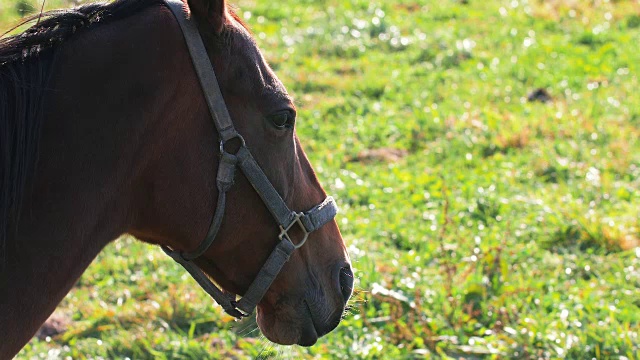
<point>223,142</point>
<point>284,232</point>
<point>240,313</point>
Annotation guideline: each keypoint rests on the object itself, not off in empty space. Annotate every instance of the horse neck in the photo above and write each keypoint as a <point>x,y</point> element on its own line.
<point>109,88</point>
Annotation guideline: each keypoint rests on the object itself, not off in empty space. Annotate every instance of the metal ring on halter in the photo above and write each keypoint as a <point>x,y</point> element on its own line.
<point>284,232</point>
<point>223,142</point>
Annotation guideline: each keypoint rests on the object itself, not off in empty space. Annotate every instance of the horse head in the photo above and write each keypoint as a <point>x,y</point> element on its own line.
<point>307,298</point>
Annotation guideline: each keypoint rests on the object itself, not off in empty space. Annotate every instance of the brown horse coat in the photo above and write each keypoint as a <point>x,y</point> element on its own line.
<point>124,144</point>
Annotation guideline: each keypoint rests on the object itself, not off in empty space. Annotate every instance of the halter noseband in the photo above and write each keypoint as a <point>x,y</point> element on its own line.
<point>287,219</point>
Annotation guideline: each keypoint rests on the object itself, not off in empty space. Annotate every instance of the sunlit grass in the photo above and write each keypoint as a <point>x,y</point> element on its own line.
<point>505,228</point>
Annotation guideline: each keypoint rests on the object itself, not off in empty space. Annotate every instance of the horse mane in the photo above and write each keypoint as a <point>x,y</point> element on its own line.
<point>25,63</point>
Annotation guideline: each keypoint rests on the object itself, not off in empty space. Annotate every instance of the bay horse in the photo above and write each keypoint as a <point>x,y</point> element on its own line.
<point>105,130</point>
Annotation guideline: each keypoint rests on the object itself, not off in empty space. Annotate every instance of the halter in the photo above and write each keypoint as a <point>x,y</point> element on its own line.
<point>287,219</point>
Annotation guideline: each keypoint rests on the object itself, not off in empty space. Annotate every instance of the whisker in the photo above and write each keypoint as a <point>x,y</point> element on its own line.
<point>247,329</point>
<point>346,273</point>
<point>252,331</point>
<point>280,354</point>
<point>266,344</point>
<point>268,352</point>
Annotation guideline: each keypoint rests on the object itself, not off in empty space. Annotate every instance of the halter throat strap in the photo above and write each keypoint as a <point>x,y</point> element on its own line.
<point>287,219</point>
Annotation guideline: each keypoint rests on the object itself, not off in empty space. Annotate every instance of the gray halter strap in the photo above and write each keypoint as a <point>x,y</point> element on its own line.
<point>287,219</point>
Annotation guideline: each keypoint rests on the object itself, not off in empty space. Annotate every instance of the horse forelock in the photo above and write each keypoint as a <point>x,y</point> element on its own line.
<point>236,19</point>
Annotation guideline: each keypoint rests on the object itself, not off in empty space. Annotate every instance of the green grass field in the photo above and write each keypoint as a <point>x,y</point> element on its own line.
<point>481,225</point>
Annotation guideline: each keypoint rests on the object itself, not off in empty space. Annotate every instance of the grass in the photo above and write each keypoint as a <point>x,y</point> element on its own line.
<point>503,229</point>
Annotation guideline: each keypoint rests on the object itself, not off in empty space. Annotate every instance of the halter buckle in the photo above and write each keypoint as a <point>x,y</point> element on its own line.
<point>284,232</point>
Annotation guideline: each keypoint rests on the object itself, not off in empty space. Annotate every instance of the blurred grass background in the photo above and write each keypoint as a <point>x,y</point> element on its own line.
<point>485,220</point>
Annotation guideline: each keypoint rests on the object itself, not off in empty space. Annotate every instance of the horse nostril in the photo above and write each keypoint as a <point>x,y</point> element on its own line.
<point>346,282</point>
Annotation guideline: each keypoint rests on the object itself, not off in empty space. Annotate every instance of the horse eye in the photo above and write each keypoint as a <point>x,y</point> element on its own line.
<point>282,120</point>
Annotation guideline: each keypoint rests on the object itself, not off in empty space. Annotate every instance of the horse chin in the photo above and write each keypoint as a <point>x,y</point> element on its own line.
<point>287,325</point>
<point>300,324</point>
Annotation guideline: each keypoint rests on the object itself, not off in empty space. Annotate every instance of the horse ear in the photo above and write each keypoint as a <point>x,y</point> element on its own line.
<point>213,12</point>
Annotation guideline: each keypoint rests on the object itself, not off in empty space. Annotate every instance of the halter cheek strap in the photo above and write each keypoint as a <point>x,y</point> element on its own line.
<point>287,219</point>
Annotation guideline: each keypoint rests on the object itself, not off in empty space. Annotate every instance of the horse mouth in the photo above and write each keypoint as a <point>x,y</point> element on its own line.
<point>312,330</point>
<point>309,333</point>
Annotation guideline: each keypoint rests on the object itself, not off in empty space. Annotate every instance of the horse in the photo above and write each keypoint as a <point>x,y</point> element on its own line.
<point>105,130</point>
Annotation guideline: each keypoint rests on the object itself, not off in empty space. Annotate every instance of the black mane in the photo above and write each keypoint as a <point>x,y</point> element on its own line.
<point>25,62</point>
<point>53,27</point>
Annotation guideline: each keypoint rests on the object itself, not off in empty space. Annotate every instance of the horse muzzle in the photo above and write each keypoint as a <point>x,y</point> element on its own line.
<point>305,317</point>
